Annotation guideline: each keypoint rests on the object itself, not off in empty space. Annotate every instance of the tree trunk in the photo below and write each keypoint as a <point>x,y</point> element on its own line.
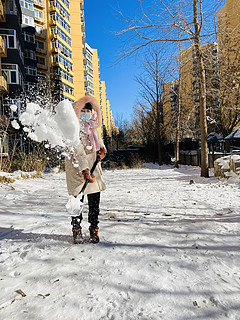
<point>202,93</point>
<point>159,145</point>
<point>178,128</point>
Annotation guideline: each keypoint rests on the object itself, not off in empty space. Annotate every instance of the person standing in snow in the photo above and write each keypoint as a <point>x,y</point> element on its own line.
<point>81,160</point>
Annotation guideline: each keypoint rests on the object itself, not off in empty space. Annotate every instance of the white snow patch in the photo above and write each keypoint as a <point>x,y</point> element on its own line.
<point>13,107</point>
<point>168,249</point>
<point>15,124</point>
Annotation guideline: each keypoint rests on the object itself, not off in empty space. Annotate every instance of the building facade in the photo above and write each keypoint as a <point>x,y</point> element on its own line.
<point>189,89</point>
<point>228,20</point>
<point>12,65</point>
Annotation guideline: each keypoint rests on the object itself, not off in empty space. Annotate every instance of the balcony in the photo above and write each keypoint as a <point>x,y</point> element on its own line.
<point>42,51</point>
<point>53,21</point>
<point>52,8</point>
<point>39,20</point>
<point>39,3</point>
<point>55,64</point>
<point>3,50</point>
<point>42,66</point>
<point>54,36</point>
<point>3,85</point>
<point>2,12</point>
<point>41,35</point>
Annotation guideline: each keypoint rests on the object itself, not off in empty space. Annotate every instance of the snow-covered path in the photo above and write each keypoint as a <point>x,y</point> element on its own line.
<point>169,249</point>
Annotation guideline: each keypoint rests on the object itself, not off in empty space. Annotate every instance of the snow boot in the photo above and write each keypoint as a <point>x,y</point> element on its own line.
<point>94,238</point>
<point>77,230</point>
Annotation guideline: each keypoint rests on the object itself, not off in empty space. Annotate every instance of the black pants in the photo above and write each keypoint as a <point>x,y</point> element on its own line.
<point>93,205</point>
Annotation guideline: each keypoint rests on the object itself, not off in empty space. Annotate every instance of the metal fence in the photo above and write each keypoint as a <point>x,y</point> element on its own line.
<point>195,158</point>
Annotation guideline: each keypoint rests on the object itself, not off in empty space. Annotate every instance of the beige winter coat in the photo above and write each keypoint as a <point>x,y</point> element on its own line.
<point>83,158</point>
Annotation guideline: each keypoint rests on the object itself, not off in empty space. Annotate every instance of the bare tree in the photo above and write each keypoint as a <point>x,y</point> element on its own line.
<point>151,82</point>
<point>160,23</point>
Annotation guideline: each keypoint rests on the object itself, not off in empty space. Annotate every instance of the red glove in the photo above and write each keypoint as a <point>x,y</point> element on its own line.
<point>101,154</point>
<point>87,176</point>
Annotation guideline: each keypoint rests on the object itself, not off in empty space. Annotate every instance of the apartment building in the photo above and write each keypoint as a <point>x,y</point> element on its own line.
<point>12,65</point>
<point>89,71</point>
<point>3,54</point>
<point>78,38</point>
<point>228,20</point>
<point>189,89</point>
<point>60,49</point>
<point>28,31</point>
<point>45,41</point>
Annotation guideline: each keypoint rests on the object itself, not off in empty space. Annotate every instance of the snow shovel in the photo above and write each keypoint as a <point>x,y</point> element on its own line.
<point>74,205</point>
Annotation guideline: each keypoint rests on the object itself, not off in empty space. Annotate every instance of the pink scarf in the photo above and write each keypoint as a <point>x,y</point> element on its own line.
<point>88,128</point>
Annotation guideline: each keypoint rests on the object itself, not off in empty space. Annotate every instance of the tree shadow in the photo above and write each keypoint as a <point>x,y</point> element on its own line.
<point>19,234</point>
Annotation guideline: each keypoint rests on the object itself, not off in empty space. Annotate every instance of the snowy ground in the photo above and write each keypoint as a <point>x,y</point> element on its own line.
<point>169,249</point>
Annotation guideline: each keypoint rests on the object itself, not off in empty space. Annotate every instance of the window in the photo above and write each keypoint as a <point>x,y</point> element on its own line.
<point>88,55</point>
<point>89,70</point>
<point>38,14</point>
<point>12,73</point>
<point>57,17</point>
<point>29,37</point>
<point>39,45</point>
<point>28,4</point>
<point>39,29</point>
<point>89,63</point>
<point>29,54</point>
<point>10,38</point>
<point>11,7</point>
<point>40,60</point>
<point>31,71</point>
<point>13,76</point>
<point>11,42</point>
<point>28,20</point>
<point>61,34</point>
<point>59,45</point>
<point>90,84</point>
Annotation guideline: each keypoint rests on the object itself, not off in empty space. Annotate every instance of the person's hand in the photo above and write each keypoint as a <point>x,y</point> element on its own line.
<point>87,176</point>
<point>101,154</point>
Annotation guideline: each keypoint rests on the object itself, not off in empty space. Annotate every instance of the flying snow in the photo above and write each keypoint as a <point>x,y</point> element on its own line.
<point>58,129</point>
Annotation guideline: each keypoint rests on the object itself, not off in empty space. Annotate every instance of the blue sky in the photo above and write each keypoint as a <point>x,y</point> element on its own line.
<point>102,21</point>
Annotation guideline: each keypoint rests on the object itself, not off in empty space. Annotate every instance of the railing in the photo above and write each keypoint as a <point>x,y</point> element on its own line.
<point>42,66</point>
<point>39,3</point>
<point>39,20</point>
<point>41,35</point>
<point>195,159</point>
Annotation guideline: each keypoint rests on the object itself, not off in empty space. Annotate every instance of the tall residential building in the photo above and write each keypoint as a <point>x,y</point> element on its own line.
<point>3,53</point>
<point>28,31</point>
<point>170,108</point>
<point>41,38</point>
<point>60,48</point>
<point>96,76</point>
<point>34,26</point>
<point>104,107</point>
<point>12,65</point>
<point>47,50</point>
<point>78,38</point>
<point>228,20</point>
<point>89,70</point>
<point>189,88</point>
